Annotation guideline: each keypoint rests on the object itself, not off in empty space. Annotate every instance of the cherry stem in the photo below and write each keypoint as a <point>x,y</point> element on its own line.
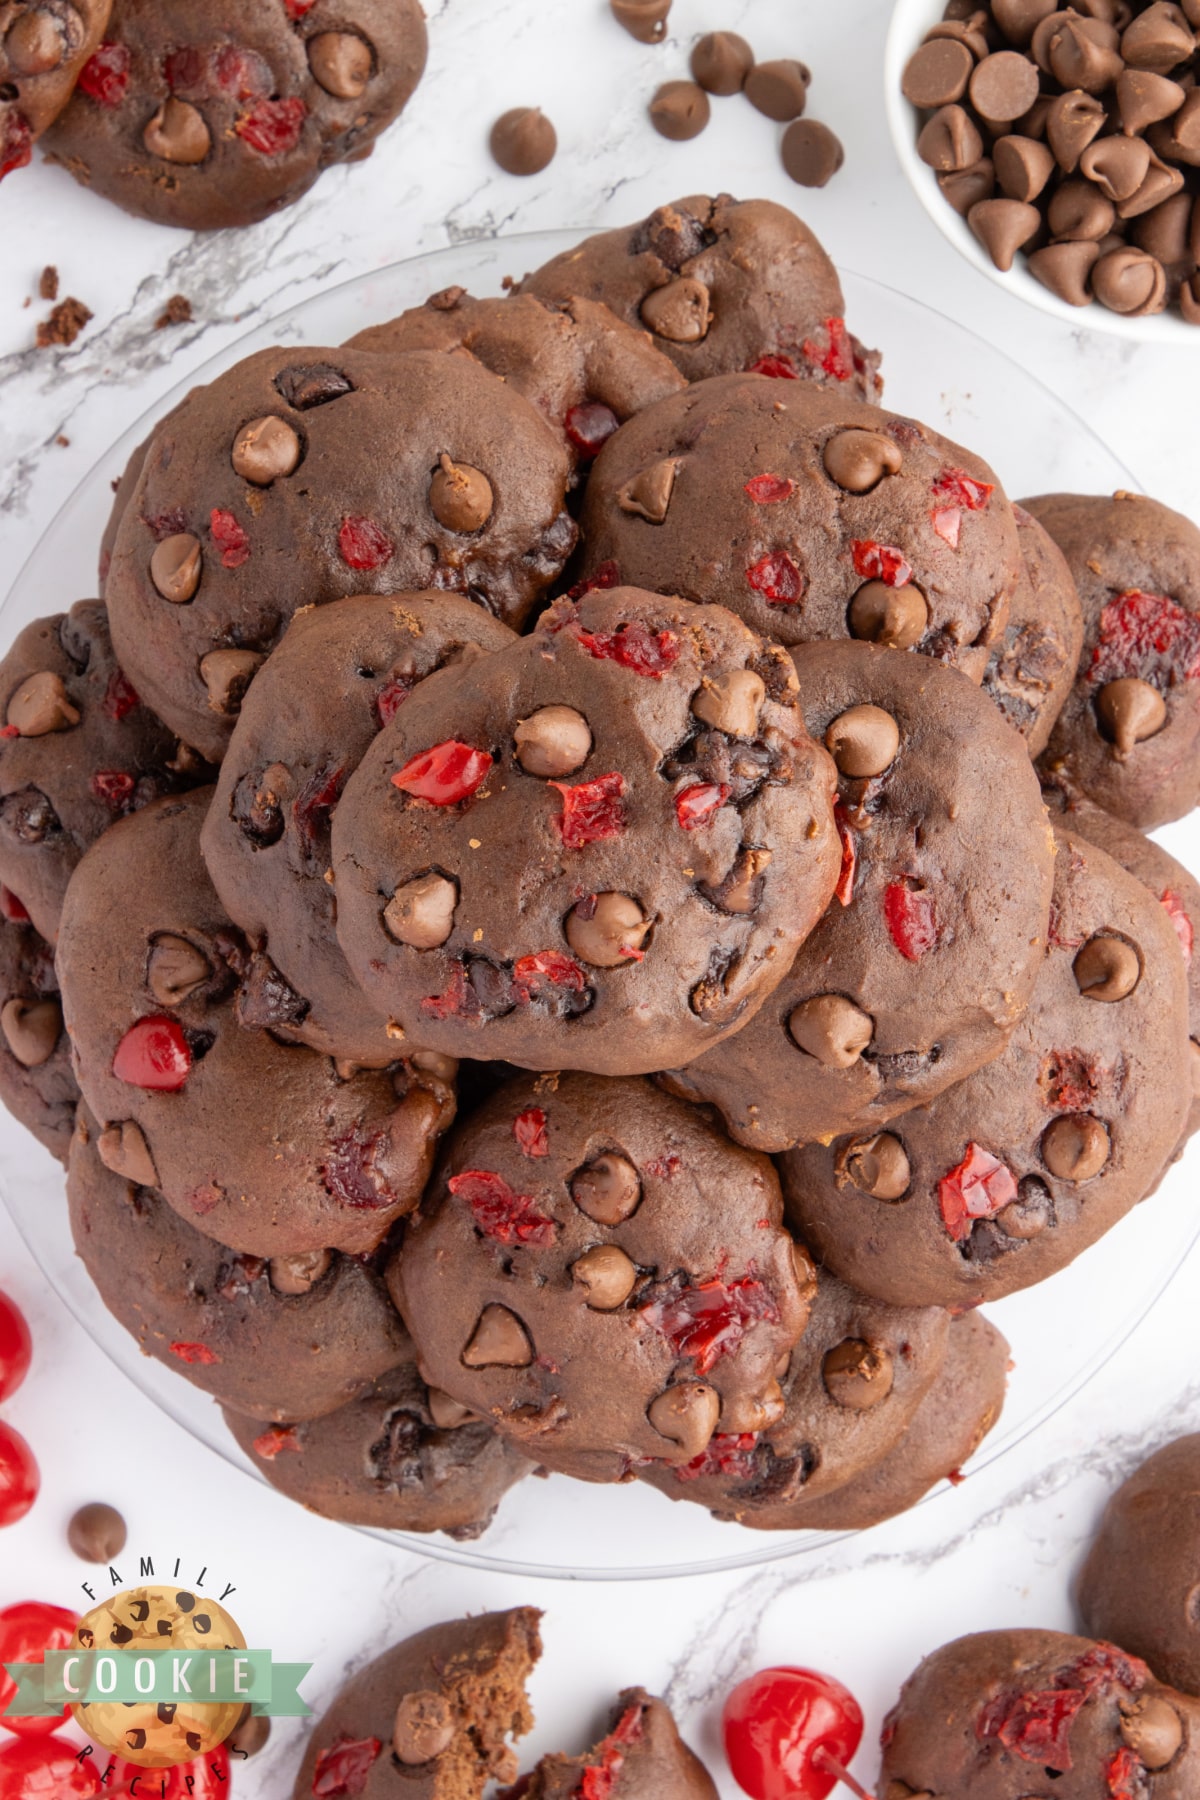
<point>829,1765</point>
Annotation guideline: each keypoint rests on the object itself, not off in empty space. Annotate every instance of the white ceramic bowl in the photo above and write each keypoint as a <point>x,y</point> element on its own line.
<point>911,19</point>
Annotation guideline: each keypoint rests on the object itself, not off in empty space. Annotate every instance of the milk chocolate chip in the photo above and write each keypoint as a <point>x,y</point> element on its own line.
<point>1075,1147</point>
<point>832,1029</point>
<point>31,1029</point>
<point>1117,165</point>
<point>523,141</point>
<point>686,1414</point>
<point>123,1149</point>
<point>1107,968</point>
<point>227,674</point>
<point>97,1532</point>
<point>1003,87</point>
<point>1072,122</point>
<point>554,741</point>
<point>606,930</point>
<point>1017,18</point>
<point>421,913</point>
<point>1078,210</point>
<point>265,449</point>
<point>877,1165</point>
<point>678,312</point>
<point>1129,710</point>
<point>1158,39</point>
<point>299,1274</point>
<point>1002,227</point>
<point>648,493</point>
<point>606,1275</point>
<point>679,110</point>
<point>721,61</point>
<point>341,63</point>
<point>40,705</point>
<point>965,188</point>
<point>812,154</point>
<point>857,1375</point>
<point>937,74</point>
<point>645,20</point>
<point>446,1412</point>
<point>175,969</point>
<point>1128,281</point>
<point>460,497</point>
<point>608,1190</point>
<point>1144,98</point>
<point>1065,269</point>
<point>175,567</point>
<point>894,617</point>
<point>177,133</point>
<point>1152,1729</point>
<point>950,140</point>
<point>858,460</point>
<point>779,89</point>
<point>863,741</point>
<point>1023,166</point>
<point>499,1341</point>
<point>424,1727</point>
<point>35,45</point>
<point>731,702</point>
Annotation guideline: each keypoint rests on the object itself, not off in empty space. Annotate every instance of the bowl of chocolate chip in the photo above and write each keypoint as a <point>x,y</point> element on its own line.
<point>1058,149</point>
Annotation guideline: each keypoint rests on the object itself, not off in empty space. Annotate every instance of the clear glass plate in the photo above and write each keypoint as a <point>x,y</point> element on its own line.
<point>937,371</point>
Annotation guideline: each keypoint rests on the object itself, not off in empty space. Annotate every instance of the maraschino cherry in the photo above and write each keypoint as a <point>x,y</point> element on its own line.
<point>15,1348</point>
<point>790,1734</point>
<point>19,1476</point>
<point>45,1768</point>
<point>27,1630</point>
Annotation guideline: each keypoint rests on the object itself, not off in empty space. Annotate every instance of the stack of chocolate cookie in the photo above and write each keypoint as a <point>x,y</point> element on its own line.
<point>553,756</point>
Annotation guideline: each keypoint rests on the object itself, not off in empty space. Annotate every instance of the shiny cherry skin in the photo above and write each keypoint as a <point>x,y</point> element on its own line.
<point>774,1721</point>
<point>206,1778</point>
<point>16,1348</point>
<point>19,1476</point>
<point>27,1630</point>
<point>45,1768</point>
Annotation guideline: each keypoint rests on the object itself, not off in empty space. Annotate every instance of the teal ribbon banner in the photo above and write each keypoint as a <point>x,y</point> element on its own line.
<point>203,1677</point>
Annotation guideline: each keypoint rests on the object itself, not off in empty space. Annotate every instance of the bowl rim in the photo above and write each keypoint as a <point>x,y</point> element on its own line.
<point>909,19</point>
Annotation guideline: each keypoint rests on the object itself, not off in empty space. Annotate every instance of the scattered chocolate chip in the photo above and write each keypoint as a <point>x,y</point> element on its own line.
<point>607,930</point>
<point>1075,1147</point>
<point>812,154</point>
<point>299,1274</point>
<point>731,703</point>
<point>779,89</point>
<point>857,1375</point>
<point>832,1029</point>
<point>424,1727</point>
<point>645,20</point>
<point>227,674</point>
<point>341,63</point>
<point>678,312</point>
<point>421,913</point>
<point>894,617</point>
<point>679,110</point>
<point>606,1275</point>
<point>1130,711</point>
<point>123,1149</point>
<point>175,567</point>
<point>937,74</point>
<point>608,1190</point>
<point>48,283</point>
<point>1002,227</point>
<point>460,497</point>
<point>31,1029</point>
<point>1152,1729</point>
<point>177,133</point>
<point>877,1165</point>
<point>858,460</point>
<point>687,1415</point>
<point>554,741</point>
<point>41,705</point>
<point>863,741</point>
<point>499,1341</point>
<point>97,1532</point>
<point>175,969</point>
<point>950,140</point>
<point>64,324</point>
<point>266,449</point>
<point>721,61</point>
<point>523,141</point>
<point>1107,968</point>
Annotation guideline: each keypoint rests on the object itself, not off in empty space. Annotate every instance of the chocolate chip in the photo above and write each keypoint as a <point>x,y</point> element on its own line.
<point>679,110</point>
<point>741,890</point>
<point>965,188</point>
<point>424,1727</point>
<point>645,20</point>
<point>499,1341</point>
<point>227,674</point>
<point>1083,55</point>
<point>1065,269</point>
<point>937,74</point>
<point>778,89</point>
<point>1003,87</point>
<point>341,63</point>
<point>721,61</point>
<point>857,1375</point>
<point>1079,211</point>
<point>554,741</point>
<point>1073,121</point>
<point>28,816</point>
<point>1117,165</point>
<point>1144,98</point>
<point>1179,141</point>
<point>249,1735</point>
<point>950,140</point>
<point>175,969</point>
<point>687,1415</point>
<point>460,496</point>
<point>894,617</point>
<point>1158,184</point>
<point>175,567</point>
<point>1002,227</point>
<point>1017,18</point>
<point>1075,1147</point>
<point>606,1275</point>
<point>1129,710</point>
<point>305,385</point>
<point>970,31</point>
<point>831,1029</point>
<point>812,154</point>
<point>608,1190</point>
<point>1165,232</point>
<point>678,312</point>
<point>177,133</point>
<point>421,913</point>
<point>607,930</point>
<point>97,1532</point>
<point>266,449</point>
<point>35,43</point>
<point>299,1273</point>
<point>731,702</point>
<point>863,741</point>
<point>1152,1729</point>
<point>1023,166</point>
<point>523,141</point>
<point>858,460</point>
<point>31,1029</point>
<point>1158,39</point>
<point>647,495</point>
<point>41,705</point>
<point>446,1412</point>
<point>1107,968</point>
<point>877,1165</point>
<point>123,1149</point>
<point>1026,1217</point>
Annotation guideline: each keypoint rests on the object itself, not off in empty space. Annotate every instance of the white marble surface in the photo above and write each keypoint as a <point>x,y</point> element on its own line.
<point>997,1551</point>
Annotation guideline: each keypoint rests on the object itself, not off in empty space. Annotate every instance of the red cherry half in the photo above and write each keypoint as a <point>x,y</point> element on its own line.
<point>45,1768</point>
<point>19,1477</point>
<point>154,1054</point>
<point>444,775</point>
<point>27,1630</point>
<point>780,1726</point>
<point>16,1347</point>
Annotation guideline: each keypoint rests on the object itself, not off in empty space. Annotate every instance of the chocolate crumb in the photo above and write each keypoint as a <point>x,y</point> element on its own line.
<point>178,311</point>
<point>48,284</point>
<point>64,324</point>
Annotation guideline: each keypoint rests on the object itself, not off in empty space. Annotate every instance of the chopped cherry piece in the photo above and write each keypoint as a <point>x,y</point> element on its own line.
<point>391,698</point>
<point>500,1212</point>
<point>205,1778</point>
<point>551,966</point>
<point>1102,1668</point>
<point>1125,1775</point>
<point>947,522</point>
<point>27,1630</point>
<point>768,490</point>
<point>242,73</point>
<point>634,646</point>
<point>114,787</point>
<point>344,1768</point>
<point>314,803</point>
<point>270,1443</point>
<point>1149,636</point>
<point>154,1054</point>
<point>229,538</point>
<point>664,1166</point>
<point>105,76</point>
<point>16,143</point>
<point>349,1173</point>
<point>836,357</point>
<point>731,1455</point>
<point>529,1129</point>
<point>19,1477</point>
<point>1069,1081</point>
<point>709,1321</point>
<point>120,696</point>
<point>12,907</point>
<point>194,1353</point>
<point>455,1001</point>
<point>605,575</point>
<point>699,804</point>
<point>776,577</point>
<point>46,1768</point>
<point>958,488</point>
<point>10,731</point>
<point>778,367</point>
<point>273,128</point>
<point>589,426</point>
<point>1179,919</point>
<point>911,919</point>
<point>777,1723</point>
<point>1034,1726</point>
<point>362,544</point>
<point>16,1347</point>
<point>880,562</point>
<point>590,811</point>
<point>449,772</point>
<point>599,1778</point>
<point>979,1187</point>
<point>844,891</point>
<point>298,8</point>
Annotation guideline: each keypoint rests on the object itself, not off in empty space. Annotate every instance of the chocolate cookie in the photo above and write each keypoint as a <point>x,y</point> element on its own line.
<point>1139,1580</point>
<point>722,285</point>
<point>810,515</point>
<point>1129,735</point>
<point>622,1285</point>
<point>583,368</point>
<point>44,45</point>
<point>37,1084</point>
<point>1002,1715</point>
<point>1006,1177</point>
<point>950,1423</point>
<point>852,1388</point>
<point>290,1338</point>
<point>339,673</point>
<point>430,1719</point>
<point>397,1458</point>
<point>595,849</point>
<point>256,1143</point>
<point>640,1757</point>
<point>78,749</point>
<point>1031,670</point>
<point>223,118</point>
<point>302,476</point>
<point>926,958</point>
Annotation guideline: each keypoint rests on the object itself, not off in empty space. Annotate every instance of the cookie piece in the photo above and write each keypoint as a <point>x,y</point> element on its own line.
<point>44,45</point>
<point>290,1338</point>
<point>384,1460</point>
<point>721,285</point>
<point>1129,735</point>
<point>222,119</point>
<point>622,1288</point>
<point>583,368</point>
<point>641,1754</point>
<point>257,1144</point>
<point>1006,1177</point>
<point>1003,1714</point>
<point>78,749</point>
<point>852,1388</point>
<point>1032,667</point>
<point>926,959</point>
<point>303,475</point>
<point>430,1719</point>
<point>37,1083</point>
<point>338,674</point>
<point>810,515</point>
<point>596,849</point>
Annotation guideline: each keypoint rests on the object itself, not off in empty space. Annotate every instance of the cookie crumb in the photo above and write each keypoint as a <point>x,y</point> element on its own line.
<point>64,324</point>
<point>178,311</point>
<point>48,283</point>
<point>62,442</point>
